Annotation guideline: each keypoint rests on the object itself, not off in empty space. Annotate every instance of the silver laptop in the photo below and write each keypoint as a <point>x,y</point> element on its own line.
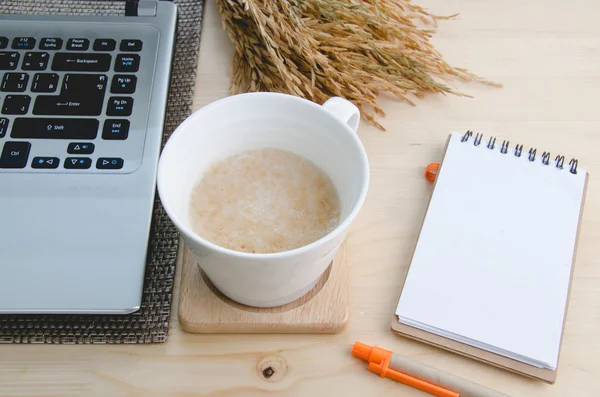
<point>82,105</point>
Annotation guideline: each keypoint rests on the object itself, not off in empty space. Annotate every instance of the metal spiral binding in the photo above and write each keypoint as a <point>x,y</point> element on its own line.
<point>518,150</point>
<point>466,136</point>
<point>573,163</point>
<point>545,158</point>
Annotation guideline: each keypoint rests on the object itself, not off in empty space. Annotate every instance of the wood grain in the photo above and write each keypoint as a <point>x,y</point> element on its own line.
<point>547,55</point>
<point>204,310</point>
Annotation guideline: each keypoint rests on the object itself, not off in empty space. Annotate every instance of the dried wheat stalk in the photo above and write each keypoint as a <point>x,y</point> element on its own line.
<point>356,49</point>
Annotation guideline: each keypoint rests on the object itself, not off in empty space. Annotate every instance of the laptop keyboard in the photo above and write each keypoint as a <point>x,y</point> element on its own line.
<point>78,91</point>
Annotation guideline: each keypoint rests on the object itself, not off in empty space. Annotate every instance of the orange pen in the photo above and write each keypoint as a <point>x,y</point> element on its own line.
<point>417,375</point>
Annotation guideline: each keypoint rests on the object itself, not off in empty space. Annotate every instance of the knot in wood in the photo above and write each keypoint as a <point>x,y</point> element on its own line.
<point>272,368</point>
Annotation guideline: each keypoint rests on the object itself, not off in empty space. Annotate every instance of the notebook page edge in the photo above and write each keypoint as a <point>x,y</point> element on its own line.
<point>495,360</point>
<point>476,344</point>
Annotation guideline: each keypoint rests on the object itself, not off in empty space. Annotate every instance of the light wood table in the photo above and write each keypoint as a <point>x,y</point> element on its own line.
<point>547,54</point>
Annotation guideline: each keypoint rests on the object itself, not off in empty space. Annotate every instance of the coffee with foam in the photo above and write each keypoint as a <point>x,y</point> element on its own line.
<point>264,201</point>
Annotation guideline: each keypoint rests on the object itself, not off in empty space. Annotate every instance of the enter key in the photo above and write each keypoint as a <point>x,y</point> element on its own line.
<point>81,95</point>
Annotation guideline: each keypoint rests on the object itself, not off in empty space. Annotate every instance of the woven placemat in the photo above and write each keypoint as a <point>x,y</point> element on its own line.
<point>149,324</point>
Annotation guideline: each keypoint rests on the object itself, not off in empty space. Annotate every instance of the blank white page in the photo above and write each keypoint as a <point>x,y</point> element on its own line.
<point>493,260</point>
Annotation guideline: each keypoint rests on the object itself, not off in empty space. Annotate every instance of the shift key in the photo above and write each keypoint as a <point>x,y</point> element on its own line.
<point>81,62</point>
<point>54,128</point>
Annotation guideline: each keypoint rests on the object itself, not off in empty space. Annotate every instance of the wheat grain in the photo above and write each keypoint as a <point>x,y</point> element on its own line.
<point>356,49</point>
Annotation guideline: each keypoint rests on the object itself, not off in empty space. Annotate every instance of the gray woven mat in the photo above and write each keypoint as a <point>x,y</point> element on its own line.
<point>150,323</point>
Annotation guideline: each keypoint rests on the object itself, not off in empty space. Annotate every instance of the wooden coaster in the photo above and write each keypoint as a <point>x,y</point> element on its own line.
<point>204,310</point>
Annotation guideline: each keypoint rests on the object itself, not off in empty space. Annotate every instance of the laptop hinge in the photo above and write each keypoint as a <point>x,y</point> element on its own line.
<point>141,8</point>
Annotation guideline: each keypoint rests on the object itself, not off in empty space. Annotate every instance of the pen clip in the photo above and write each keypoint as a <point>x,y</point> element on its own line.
<point>382,368</point>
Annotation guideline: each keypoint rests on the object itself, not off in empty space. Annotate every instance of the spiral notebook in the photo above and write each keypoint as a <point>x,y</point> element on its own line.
<point>491,271</point>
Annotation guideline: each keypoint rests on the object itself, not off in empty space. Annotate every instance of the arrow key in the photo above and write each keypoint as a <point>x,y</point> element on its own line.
<point>109,163</point>
<point>80,148</point>
<point>45,162</point>
<point>78,163</point>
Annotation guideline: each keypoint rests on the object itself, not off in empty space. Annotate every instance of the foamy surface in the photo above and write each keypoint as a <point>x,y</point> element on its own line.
<point>264,201</point>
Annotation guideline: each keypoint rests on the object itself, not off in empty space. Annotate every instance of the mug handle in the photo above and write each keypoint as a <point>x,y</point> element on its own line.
<point>343,110</point>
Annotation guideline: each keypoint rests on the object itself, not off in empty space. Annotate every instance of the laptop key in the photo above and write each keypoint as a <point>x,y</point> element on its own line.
<point>14,82</point>
<point>15,154</point>
<point>23,43</point>
<point>68,106</point>
<point>3,126</point>
<point>131,45</point>
<point>45,162</point>
<point>80,148</point>
<point>51,43</point>
<point>83,84</point>
<point>35,61</point>
<point>81,95</point>
<point>104,45</point>
<point>115,129</point>
<point>119,106</point>
<point>127,63</point>
<point>16,104</point>
<point>123,84</point>
<point>54,128</point>
<point>109,163</point>
<point>78,44</point>
<point>9,60</point>
<point>44,82</point>
<point>3,42</point>
<point>81,62</point>
<point>78,163</point>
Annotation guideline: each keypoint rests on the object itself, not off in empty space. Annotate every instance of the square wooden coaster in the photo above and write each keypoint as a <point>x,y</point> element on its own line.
<point>204,310</point>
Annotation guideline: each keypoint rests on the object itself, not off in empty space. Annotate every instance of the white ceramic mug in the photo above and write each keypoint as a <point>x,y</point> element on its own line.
<point>326,135</point>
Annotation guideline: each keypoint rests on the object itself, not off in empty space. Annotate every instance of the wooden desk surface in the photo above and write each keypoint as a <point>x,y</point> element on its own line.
<point>547,54</point>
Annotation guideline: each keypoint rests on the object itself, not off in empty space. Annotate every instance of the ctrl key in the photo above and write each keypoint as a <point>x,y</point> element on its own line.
<point>15,154</point>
